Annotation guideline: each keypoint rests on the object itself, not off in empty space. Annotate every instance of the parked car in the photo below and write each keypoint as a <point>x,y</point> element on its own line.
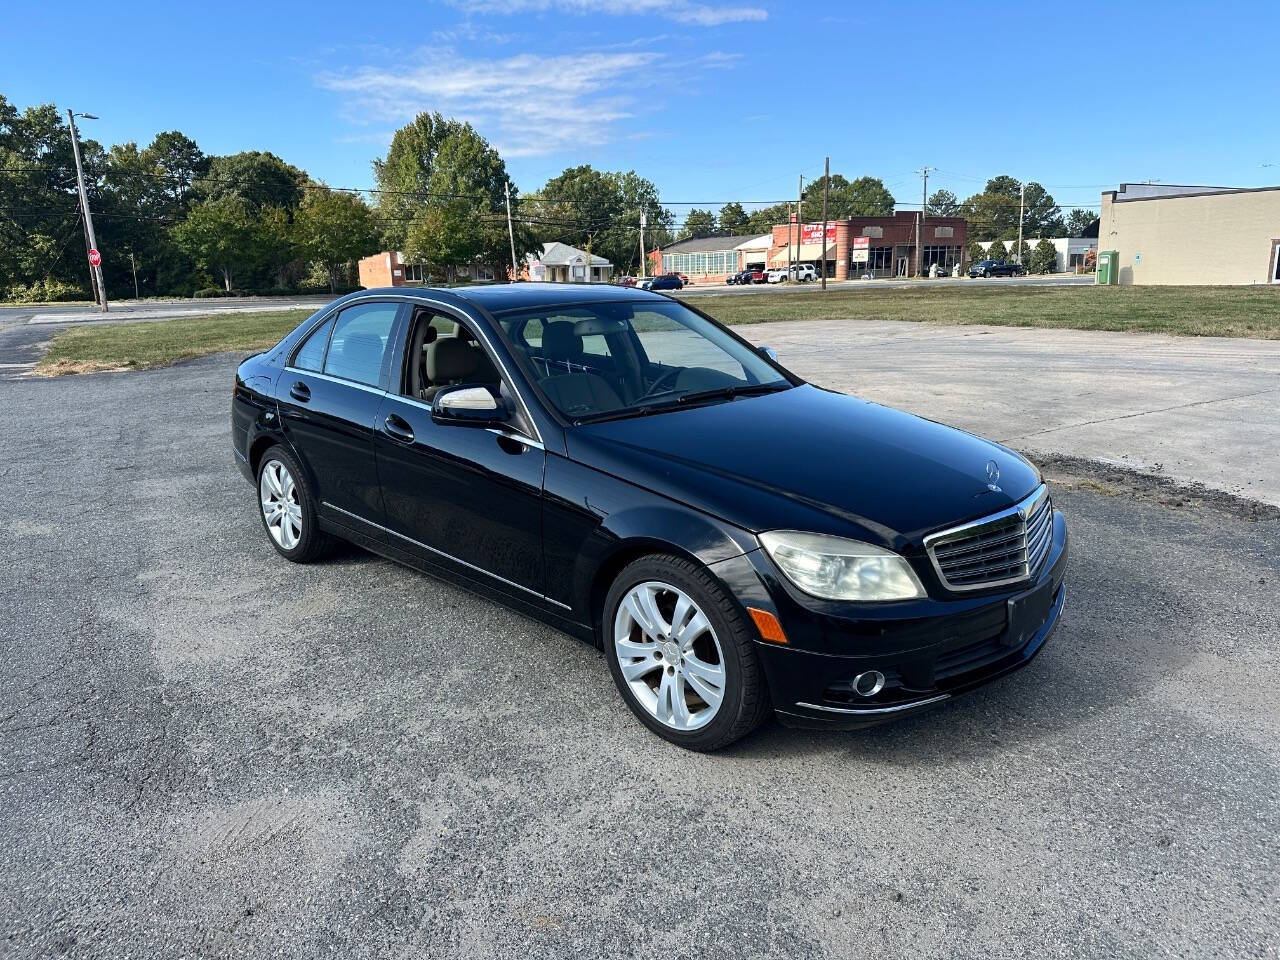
<point>622,467</point>
<point>777,275</point>
<point>995,268</point>
<point>683,279</point>
<point>804,272</point>
<point>667,281</point>
<point>745,277</point>
<point>625,281</point>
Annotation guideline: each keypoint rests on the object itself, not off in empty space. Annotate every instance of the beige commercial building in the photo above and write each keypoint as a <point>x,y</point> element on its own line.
<point>1165,234</point>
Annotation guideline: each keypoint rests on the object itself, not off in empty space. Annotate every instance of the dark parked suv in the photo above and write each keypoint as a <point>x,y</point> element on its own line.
<point>738,542</point>
<point>667,281</point>
<point>996,268</point>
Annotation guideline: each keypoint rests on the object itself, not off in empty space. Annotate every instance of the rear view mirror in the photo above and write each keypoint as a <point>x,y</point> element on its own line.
<point>475,406</point>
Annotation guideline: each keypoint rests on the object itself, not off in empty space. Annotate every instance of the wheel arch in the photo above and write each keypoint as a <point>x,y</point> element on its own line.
<point>626,553</point>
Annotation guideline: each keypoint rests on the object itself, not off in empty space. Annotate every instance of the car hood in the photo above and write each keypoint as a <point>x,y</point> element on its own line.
<point>811,459</point>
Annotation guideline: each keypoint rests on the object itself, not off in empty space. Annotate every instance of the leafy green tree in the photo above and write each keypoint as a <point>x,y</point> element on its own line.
<point>699,223</point>
<point>943,203</point>
<point>1021,254</point>
<point>404,174</point>
<point>863,197</point>
<point>1078,221</point>
<point>334,227</point>
<point>973,252</point>
<point>733,219</point>
<point>1044,259</point>
<point>259,180</point>
<point>1041,216</point>
<point>998,251</point>
<point>766,218</point>
<point>221,237</point>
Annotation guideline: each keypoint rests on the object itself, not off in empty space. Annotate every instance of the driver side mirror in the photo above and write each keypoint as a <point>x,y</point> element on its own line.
<point>769,352</point>
<point>469,406</point>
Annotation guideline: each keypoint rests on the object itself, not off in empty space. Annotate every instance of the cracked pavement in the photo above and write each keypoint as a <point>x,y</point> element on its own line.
<point>205,750</point>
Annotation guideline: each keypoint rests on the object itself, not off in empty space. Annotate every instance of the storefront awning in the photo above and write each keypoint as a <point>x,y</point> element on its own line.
<point>808,251</point>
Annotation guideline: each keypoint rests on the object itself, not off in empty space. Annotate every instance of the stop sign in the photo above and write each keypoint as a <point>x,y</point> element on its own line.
<point>95,257</point>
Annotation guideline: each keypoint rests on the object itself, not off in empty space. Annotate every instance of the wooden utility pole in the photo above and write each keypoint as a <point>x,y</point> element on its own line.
<point>826,187</point>
<point>643,221</point>
<point>511,235</point>
<point>94,269</point>
<point>799,221</point>
<point>924,203</point>
<point>1022,203</point>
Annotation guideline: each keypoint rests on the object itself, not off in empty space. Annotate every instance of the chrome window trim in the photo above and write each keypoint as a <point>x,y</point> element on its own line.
<point>458,316</point>
<point>447,556</point>
<point>1024,508</point>
<point>332,379</point>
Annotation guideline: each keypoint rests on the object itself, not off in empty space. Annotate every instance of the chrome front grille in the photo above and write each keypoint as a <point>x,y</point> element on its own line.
<point>1004,548</point>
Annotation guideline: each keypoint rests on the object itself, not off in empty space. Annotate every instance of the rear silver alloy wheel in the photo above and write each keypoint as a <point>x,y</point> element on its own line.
<point>280,504</point>
<point>669,654</point>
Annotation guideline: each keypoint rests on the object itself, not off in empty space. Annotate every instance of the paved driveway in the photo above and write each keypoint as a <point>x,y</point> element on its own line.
<point>1194,408</point>
<point>206,750</point>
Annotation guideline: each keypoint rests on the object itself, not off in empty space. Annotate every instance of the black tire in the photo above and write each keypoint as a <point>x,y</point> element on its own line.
<point>312,543</point>
<point>746,702</point>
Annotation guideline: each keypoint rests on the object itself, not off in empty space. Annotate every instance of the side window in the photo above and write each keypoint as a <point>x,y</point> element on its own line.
<point>311,354</point>
<point>361,339</point>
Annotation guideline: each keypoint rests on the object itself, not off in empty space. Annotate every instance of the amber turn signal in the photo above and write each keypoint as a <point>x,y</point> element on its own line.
<point>768,625</point>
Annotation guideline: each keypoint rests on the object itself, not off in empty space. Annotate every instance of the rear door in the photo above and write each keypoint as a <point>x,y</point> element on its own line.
<point>329,398</point>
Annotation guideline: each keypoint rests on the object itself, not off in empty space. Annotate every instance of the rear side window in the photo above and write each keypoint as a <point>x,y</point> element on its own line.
<point>311,355</point>
<point>361,341</point>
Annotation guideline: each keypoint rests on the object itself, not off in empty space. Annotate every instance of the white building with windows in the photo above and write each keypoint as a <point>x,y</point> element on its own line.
<point>561,263</point>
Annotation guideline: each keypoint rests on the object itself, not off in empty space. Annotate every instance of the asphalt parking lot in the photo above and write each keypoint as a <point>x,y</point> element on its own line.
<point>208,751</point>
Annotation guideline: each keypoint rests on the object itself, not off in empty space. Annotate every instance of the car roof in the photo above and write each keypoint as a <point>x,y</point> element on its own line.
<point>498,297</point>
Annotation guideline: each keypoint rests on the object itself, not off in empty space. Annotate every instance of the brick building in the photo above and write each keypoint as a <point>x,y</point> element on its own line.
<point>879,246</point>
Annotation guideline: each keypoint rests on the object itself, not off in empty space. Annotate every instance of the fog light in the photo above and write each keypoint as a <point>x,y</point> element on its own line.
<point>868,684</point>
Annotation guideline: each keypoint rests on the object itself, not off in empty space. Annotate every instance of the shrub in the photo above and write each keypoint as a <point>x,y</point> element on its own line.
<point>210,292</point>
<point>1044,259</point>
<point>998,251</point>
<point>47,291</point>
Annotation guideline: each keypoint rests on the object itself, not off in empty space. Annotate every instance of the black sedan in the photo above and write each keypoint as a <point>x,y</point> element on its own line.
<point>666,281</point>
<point>619,465</point>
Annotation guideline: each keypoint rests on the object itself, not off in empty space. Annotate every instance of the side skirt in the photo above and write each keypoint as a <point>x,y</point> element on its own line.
<point>488,591</point>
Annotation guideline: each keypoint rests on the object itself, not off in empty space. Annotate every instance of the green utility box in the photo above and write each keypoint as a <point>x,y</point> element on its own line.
<point>1108,267</point>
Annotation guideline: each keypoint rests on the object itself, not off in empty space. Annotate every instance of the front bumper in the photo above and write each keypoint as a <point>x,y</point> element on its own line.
<point>928,651</point>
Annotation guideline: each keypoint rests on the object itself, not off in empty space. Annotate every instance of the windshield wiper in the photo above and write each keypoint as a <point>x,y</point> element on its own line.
<point>729,392</point>
<point>718,393</point>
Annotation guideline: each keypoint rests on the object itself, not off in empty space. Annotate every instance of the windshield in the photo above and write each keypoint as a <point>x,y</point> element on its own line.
<point>607,360</point>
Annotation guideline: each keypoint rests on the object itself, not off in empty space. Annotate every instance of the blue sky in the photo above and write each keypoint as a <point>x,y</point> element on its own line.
<point>714,100</point>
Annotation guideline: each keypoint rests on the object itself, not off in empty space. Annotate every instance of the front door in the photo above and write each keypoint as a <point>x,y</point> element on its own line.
<point>465,497</point>
<point>329,397</point>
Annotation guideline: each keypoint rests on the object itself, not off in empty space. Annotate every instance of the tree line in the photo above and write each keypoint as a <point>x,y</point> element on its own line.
<point>173,220</point>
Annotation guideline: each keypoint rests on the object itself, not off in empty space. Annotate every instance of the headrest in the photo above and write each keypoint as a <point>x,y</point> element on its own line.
<point>362,351</point>
<point>429,335</point>
<point>560,342</point>
<point>451,359</point>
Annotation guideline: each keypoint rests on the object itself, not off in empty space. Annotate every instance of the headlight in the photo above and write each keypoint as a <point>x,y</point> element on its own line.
<point>834,568</point>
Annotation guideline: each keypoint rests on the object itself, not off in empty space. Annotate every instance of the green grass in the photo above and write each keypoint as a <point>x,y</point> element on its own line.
<point>157,343</point>
<point>1189,311</point>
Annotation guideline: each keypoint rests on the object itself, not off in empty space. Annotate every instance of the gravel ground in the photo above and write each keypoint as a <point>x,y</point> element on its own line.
<point>207,751</point>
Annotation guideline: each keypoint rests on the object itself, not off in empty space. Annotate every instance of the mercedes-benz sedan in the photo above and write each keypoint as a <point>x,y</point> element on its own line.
<point>738,542</point>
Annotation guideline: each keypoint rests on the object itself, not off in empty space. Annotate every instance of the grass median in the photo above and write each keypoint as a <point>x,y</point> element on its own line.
<point>158,343</point>
<point>1187,311</point>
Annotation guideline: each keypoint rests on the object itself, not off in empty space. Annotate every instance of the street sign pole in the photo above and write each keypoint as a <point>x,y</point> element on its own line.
<point>95,259</point>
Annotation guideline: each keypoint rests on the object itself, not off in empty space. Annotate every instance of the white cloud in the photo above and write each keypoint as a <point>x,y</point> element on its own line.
<point>525,105</point>
<point>682,11</point>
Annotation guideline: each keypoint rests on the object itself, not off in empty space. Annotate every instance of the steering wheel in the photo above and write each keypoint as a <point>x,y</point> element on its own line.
<point>662,379</point>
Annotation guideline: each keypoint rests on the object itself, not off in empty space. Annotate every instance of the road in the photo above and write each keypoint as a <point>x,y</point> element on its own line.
<point>206,750</point>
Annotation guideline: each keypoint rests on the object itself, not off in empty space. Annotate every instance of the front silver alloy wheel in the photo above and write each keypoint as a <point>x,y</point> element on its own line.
<point>280,505</point>
<point>669,655</point>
